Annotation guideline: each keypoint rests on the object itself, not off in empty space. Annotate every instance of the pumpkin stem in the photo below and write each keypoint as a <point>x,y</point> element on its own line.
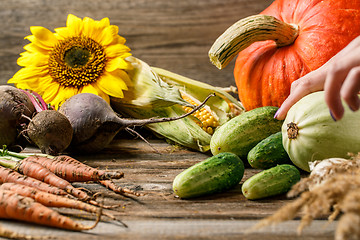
<point>247,31</point>
<point>292,130</point>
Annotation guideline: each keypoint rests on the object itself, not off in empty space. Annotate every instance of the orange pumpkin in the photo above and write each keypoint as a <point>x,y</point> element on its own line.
<point>286,41</point>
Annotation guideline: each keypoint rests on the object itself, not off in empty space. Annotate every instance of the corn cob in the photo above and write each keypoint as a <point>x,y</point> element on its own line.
<point>156,92</point>
<point>205,118</point>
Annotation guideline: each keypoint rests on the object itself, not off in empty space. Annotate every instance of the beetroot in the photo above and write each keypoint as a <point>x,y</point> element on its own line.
<point>15,111</point>
<point>95,124</point>
<point>51,131</point>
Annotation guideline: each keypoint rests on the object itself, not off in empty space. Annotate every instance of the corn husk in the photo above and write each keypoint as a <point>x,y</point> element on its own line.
<point>223,104</point>
<point>147,89</point>
<point>155,92</point>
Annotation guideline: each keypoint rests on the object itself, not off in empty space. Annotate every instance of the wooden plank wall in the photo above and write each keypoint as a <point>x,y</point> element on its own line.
<point>172,34</point>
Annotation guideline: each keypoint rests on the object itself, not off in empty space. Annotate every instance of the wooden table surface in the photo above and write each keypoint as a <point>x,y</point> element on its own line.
<point>174,35</point>
<point>171,34</point>
<point>160,214</point>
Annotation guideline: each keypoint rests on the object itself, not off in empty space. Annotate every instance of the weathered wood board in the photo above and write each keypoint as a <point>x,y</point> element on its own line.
<point>159,214</point>
<point>174,35</point>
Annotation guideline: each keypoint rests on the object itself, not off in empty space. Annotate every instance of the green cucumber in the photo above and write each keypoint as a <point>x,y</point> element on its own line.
<point>268,153</point>
<point>274,181</point>
<point>240,134</point>
<point>215,174</point>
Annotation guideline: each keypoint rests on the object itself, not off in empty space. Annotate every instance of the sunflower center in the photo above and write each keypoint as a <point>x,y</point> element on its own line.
<point>76,57</point>
<point>77,61</point>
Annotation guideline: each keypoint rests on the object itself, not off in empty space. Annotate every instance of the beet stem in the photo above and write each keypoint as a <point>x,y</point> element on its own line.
<point>36,104</point>
<point>41,100</point>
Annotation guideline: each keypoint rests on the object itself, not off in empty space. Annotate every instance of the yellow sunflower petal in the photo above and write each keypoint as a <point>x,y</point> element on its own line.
<point>38,85</point>
<point>95,28</point>
<point>62,32</point>
<point>63,94</point>
<point>89,28</point>
<point>32,47</point>
<point>94,89</point>
<point>38,43</point>
<point>89,89</point>
<point>107,36</point>
<point>112,83</point>
<point>44,36</point>
<point>27,73</point>
<point>120,39</point>
<point>103,95</point>
<point>117,63</point>
<point>74,25</point>
<point>32,59</point>
<point>52,90</point>
<point>103,23</point>
<point>116,50</point>
<point>22,86</point>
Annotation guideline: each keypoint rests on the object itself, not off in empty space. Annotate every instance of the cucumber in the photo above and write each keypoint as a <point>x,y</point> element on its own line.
<point>215,174</point>
<point>268,153</point>
<point>240,134</point>
<point>274,181</point>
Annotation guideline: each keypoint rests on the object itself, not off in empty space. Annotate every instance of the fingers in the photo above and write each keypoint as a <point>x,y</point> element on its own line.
<point>312,82</point>
<point>351,88</point>
<point>334,80</point>
<point>339,77</point>
<point>343,82</point>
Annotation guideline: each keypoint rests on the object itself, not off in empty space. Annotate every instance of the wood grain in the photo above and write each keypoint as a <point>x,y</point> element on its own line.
<point>171,34</point>
<point>159,214</point>
<point>174,35</point>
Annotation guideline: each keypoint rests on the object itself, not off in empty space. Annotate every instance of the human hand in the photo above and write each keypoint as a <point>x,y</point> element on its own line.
<point>311,82</point>
<point>339,78</point>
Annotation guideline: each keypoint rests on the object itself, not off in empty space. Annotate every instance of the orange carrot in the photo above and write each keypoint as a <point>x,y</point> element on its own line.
<point>117,189</point>
<point>51,200</point>
<point>37,171</point>
<point>8,175</point>
<point>17,207</point>
<point>70,169</point>
<point>73,170</point>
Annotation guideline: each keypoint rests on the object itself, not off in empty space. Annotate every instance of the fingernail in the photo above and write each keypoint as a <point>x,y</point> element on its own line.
<point>277,113</point>
<point>332,116</point>
<point>352,108</point>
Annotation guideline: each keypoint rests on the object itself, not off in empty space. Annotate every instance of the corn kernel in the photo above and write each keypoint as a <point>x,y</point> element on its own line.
<point>206,120</point>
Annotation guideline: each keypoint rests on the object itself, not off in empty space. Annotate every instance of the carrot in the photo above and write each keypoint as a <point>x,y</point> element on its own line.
<point>73,170</point>
<point>60,165</point>
<point>51,200</point>
<point>8,175</point>
<point>117,189</point>
<point>17,207</point>
<point>38,171</point>
<point>107,182</point>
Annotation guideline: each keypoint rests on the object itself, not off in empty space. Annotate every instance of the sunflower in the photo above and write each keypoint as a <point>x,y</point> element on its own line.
<point>85,56</point>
